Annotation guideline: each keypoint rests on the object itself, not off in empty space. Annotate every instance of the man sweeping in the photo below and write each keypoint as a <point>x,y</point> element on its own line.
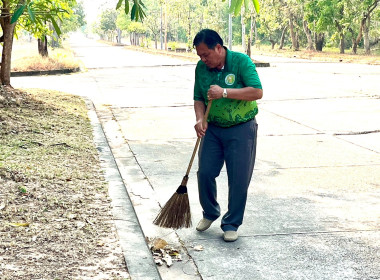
<point>228,79</point>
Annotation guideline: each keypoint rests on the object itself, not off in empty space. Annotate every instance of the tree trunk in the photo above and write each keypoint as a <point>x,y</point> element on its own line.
<point>366,25</point>
<point>374,43</point>
<point>319,41</point>
<point>249,47</point>
<point>42,46</point>
<point>341,37</point>
<point>282,40</point>
<point>118,36</point>
<point>355,42</point>
<point>8,32</point>
<point>293,34</point>
<point>273,43</point>
<point>341,43</point>
<point>310,45</point>
<point>367,47</point>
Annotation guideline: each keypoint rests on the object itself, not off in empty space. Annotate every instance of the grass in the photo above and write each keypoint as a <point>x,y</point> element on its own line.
<point>38,132</point>
<point>54,206</point>
<point>25,57</point>
<point>327,55</point>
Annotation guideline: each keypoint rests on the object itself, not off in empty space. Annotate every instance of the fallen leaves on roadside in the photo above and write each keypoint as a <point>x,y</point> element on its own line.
<point>198,248</point>
<point>54,209</point>
<point>159,244</point>
<point>163,253</point>
<point>19,224</point>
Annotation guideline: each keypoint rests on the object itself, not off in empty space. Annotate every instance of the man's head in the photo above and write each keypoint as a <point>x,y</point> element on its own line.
<point>209,46</point>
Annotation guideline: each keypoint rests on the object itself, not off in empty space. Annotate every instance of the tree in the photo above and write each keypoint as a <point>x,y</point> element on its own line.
<point>135,29</point>
<point>293,14</point>
<point>13,13</point>
<point>73,20</point>
<point>42,27</point>
<point>317,21</point>
<point>332,16</point>
<point>107,23</point>
<point>152,22</point>
<point>137,11</point>
<point>364,10</point>
<point>272,21</point>
<point>70,22</point>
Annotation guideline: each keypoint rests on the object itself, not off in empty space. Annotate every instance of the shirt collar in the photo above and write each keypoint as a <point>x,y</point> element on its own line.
<point>227,63</point>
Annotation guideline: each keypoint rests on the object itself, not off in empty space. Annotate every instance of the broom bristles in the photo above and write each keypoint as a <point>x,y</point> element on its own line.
<point>176,212</point>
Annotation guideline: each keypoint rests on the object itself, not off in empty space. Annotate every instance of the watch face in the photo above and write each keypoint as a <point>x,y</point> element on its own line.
<point>224,93</point>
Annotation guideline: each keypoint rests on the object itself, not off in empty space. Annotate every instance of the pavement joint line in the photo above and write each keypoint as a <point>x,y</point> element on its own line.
<point>295,233</point>
<point>355,144</point>
<point>314,98</point>
<point>295,134</point>
<point>198,273</point>
<point>280,116</point>
<point>145,107</point>
<point>130,148</point>
<point>137,256</point>
<point>313,233</point>
<point>143,66</point>
<point>323,166</point>
<point>356,133</point>
<point>139,195</point>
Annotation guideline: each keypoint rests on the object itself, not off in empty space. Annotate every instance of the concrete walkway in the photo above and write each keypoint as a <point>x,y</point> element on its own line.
<point>314,203</point>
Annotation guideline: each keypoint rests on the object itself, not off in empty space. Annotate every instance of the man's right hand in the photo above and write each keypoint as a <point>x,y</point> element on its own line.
<point>200,128</point>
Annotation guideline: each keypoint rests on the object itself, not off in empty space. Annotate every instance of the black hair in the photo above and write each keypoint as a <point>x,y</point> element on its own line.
<point>209,37</point>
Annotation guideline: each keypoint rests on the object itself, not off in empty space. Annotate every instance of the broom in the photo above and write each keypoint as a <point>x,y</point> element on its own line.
<point>176,212</point>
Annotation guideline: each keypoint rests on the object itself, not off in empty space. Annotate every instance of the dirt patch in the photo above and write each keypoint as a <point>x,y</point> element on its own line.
<point>55,220</point>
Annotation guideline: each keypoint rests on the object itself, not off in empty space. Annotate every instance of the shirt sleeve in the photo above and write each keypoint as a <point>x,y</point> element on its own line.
<point>248,73</point>
<point>197,88</point>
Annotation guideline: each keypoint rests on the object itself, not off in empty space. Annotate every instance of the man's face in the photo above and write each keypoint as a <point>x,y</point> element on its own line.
<point>211,57</point>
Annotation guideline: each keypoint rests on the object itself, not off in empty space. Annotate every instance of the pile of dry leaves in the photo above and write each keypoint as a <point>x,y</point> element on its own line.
<point>163,253</point>
<point>55,220</point>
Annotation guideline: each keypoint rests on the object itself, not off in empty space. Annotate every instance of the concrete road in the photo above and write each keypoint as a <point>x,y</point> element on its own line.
<point>314,202</point>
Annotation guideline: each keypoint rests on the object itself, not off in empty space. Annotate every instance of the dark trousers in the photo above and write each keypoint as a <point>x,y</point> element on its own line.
<point>236,146</point>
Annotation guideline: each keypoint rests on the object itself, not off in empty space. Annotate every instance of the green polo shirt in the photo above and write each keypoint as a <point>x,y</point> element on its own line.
<point>239,71</point>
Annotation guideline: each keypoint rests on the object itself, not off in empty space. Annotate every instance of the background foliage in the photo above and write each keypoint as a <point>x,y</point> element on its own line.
<point>311,24</point>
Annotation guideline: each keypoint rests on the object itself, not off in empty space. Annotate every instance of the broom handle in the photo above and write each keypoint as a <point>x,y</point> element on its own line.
<point>199,138</point>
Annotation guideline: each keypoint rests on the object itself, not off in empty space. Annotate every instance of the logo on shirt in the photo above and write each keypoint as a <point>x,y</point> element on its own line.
<point>230,79</point>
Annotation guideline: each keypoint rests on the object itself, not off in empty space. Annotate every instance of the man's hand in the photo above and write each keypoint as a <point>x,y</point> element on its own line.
<point>200,128</point>
<point>200,109</point>
<point>214,92</point>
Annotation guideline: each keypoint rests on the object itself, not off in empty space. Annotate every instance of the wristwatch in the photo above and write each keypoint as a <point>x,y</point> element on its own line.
<point>224,93</point>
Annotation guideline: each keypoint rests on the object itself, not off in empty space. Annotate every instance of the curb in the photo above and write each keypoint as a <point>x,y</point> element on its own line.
<point>181,55</point>
<point>136,253</point>
<point>261,64</point>
<point>47,72</point>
